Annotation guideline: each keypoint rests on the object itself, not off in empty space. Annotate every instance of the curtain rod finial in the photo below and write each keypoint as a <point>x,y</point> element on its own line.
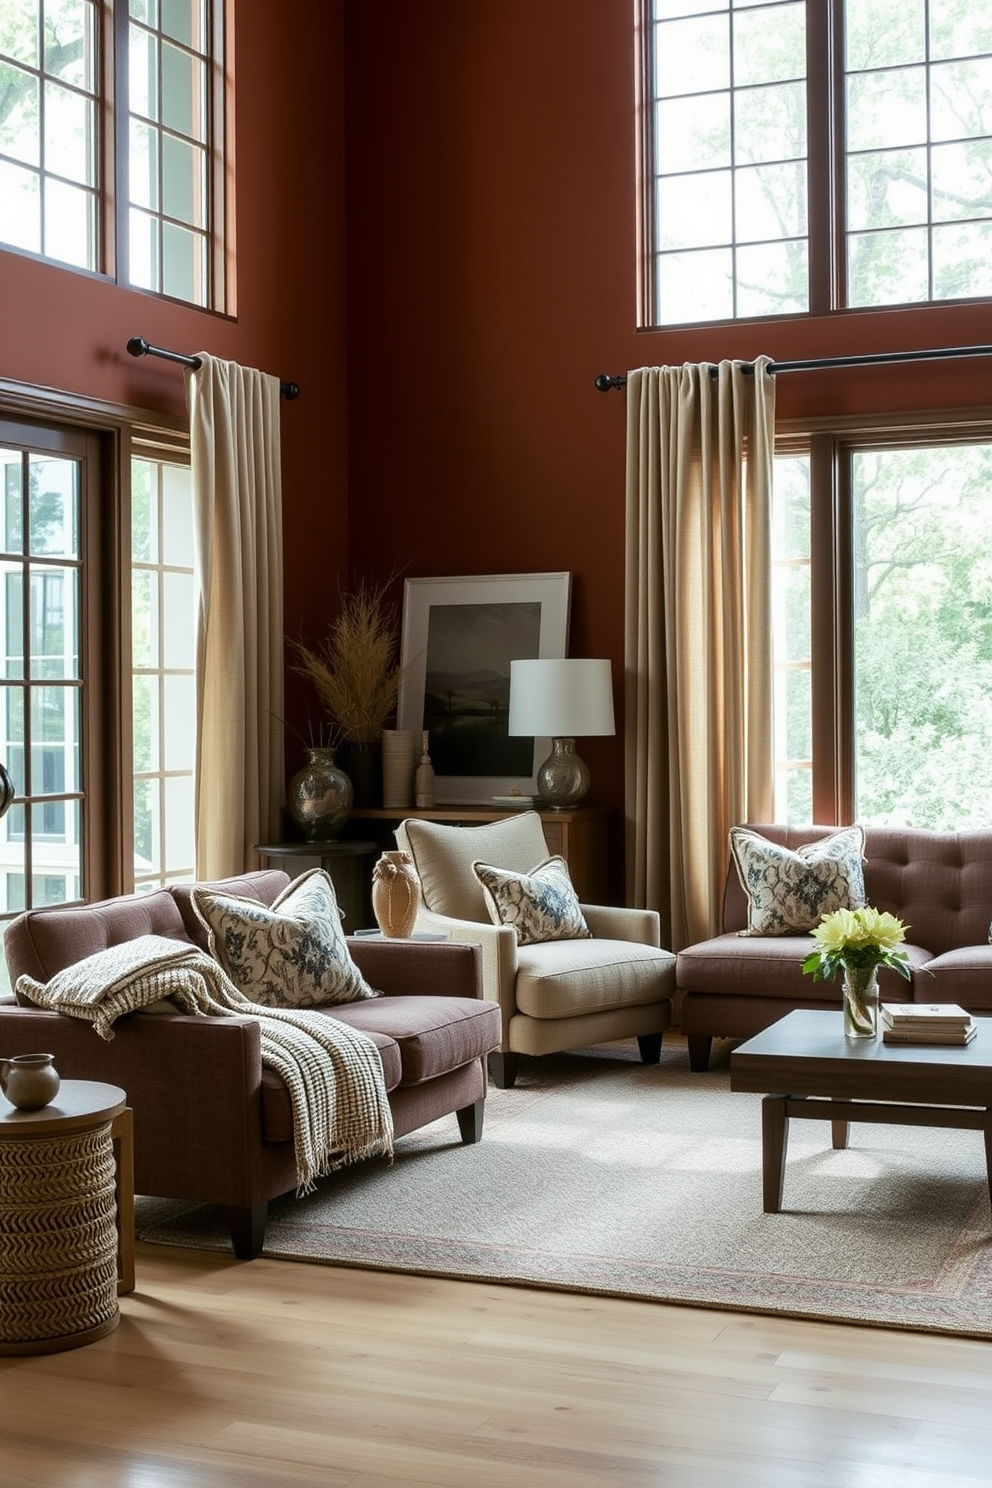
<point>137,346</point>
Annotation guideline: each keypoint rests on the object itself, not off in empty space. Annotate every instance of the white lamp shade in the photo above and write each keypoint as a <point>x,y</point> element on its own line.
<point>552,698</point>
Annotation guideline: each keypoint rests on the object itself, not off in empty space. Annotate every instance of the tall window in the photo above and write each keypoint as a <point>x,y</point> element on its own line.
<point>163,658</point>
<point>746,105</point>
<point>884,685</point>
<point>42,836</point>
<point>124,181</point>
<point>97,644</point>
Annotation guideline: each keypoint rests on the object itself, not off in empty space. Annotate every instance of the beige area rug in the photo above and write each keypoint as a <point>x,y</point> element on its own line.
<point>600,1174</point>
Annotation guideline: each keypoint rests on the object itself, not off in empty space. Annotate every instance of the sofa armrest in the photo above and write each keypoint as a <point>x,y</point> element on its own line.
<point>611,922</point>
<point>193,1082</point>
<point>411,968</point>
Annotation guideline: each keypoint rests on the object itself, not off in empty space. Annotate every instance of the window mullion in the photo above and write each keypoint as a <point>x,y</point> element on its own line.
<point>830,629</point>
<point>825,84</point>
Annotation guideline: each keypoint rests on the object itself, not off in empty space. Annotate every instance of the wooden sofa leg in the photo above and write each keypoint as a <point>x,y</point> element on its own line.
<point>699,1052</point>
<point>503,1070</point>
<point>650,1047</point>
<point>470,1122</point>
<point>247,1226</point>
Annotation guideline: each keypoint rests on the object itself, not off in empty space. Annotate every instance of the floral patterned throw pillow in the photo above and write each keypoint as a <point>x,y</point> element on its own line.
<point>290,954</point>
<point>789,890</point>
<point>540,905</point>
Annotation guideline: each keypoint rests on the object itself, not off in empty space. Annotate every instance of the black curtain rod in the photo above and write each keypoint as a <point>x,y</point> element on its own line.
<point>138,346</point>
<point>605,383</point>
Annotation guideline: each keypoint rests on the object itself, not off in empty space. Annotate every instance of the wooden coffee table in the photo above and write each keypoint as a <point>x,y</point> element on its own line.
<point>806,1068</point>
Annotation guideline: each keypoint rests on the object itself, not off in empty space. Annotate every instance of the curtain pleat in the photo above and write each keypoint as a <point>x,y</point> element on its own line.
<point>237,495</point>
<point>698,633</point>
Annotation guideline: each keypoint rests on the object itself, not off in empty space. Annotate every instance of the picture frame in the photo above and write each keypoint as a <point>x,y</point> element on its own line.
<point>458,638</point>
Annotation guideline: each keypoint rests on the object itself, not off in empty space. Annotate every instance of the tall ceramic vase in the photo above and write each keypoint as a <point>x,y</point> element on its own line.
<point>395,895</point>
<point>318,797</point>
<point>400,752</point>
<point>861,1001</point>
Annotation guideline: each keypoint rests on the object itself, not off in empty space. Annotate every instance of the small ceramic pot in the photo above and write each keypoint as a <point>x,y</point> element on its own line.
<point>29,1081</point>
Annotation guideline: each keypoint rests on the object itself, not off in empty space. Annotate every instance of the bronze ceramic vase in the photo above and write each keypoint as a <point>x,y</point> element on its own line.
<point>319,797</point>
<point>395,895</point>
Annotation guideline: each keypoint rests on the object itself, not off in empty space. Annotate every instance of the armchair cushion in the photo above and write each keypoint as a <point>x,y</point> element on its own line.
<point>540,905</point>
<point>292,954</point>
<point>565,978</point>
<point>443,856</point>
<point>788,890</point>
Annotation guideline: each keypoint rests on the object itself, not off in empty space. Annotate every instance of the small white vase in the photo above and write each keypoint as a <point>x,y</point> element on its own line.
<point>861,1001</point>
<point>423,780</point>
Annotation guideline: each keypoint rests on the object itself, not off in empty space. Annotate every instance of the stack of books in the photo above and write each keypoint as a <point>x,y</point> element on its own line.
<point>926,1023</point>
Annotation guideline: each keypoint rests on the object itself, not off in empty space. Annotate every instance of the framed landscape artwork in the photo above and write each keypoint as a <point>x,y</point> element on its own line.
<point>459,637</point>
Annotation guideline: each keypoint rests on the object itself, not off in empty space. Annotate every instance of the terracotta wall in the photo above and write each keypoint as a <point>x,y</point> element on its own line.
<point>491,276</point>
<point>435,238</point>
<point>68,331</point>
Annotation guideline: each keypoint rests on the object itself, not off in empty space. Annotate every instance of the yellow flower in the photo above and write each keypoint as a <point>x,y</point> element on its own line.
<point>881,928</point>
<point>851,928</point>
<point>857,938</point>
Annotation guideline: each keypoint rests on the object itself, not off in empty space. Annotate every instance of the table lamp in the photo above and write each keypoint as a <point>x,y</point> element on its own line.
<point>563,699</point>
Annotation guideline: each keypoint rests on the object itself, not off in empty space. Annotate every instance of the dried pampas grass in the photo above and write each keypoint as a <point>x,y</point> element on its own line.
<point>355,672</point>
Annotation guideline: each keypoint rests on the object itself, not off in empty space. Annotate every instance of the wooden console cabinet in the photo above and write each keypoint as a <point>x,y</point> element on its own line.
<point>581,836</point>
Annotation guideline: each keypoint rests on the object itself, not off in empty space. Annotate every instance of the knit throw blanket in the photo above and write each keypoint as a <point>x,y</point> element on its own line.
<point>333,1072</point>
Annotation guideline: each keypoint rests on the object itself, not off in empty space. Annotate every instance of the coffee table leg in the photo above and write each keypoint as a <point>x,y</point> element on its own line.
<point>839,1132</point>
<point>774,1140</point>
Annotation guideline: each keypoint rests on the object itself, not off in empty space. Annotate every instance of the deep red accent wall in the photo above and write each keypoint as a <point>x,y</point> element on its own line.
<point>68,331</point>
<point>491,277</point>
<point>435,235</point>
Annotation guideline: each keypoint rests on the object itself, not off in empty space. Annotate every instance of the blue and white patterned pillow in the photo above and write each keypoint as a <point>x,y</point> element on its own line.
<point>789,890</point>
<point>540,905</point>
<point>290,954</point>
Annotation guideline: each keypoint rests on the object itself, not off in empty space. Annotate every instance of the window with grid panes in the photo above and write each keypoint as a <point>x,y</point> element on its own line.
<point>124,180</point>
<point>744,220</point>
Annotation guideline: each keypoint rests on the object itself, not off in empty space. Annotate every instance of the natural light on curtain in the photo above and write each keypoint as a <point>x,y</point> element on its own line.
<point>699,744</point>
<point>237,496</point>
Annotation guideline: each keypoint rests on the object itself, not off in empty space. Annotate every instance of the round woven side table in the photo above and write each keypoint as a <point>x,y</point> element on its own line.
<point>59,1246</point>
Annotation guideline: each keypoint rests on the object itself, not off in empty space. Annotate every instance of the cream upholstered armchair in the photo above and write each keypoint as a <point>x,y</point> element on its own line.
<point>606,979</point>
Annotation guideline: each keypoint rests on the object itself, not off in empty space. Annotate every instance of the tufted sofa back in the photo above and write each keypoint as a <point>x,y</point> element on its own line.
<point>41,942</point>
<point>938,883</point>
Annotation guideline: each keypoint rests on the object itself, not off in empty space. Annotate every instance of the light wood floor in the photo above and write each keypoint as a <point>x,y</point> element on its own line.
<point>271,1374</point>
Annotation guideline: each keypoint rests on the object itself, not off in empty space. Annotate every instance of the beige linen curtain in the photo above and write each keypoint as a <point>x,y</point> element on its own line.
<point>237,497</point>
<point>698,631</point>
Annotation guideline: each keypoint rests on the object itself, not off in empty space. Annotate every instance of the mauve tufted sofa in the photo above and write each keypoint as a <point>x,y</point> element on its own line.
<point>210,1124</point>
<point>938,883</point>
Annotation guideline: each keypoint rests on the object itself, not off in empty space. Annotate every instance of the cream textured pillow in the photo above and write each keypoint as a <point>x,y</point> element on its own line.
<point>789,890</point>
<point>292,954</point>
<point>443,856</point>
<point>540,905</point>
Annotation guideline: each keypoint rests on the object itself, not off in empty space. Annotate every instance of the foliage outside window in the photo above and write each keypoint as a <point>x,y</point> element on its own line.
<point>898,661</point>
<point>738,155</point>
<point>133,191</point>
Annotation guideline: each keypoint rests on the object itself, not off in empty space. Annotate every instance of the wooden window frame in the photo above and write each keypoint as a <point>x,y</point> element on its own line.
<point>114,433</point>
<point>830,444</point>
